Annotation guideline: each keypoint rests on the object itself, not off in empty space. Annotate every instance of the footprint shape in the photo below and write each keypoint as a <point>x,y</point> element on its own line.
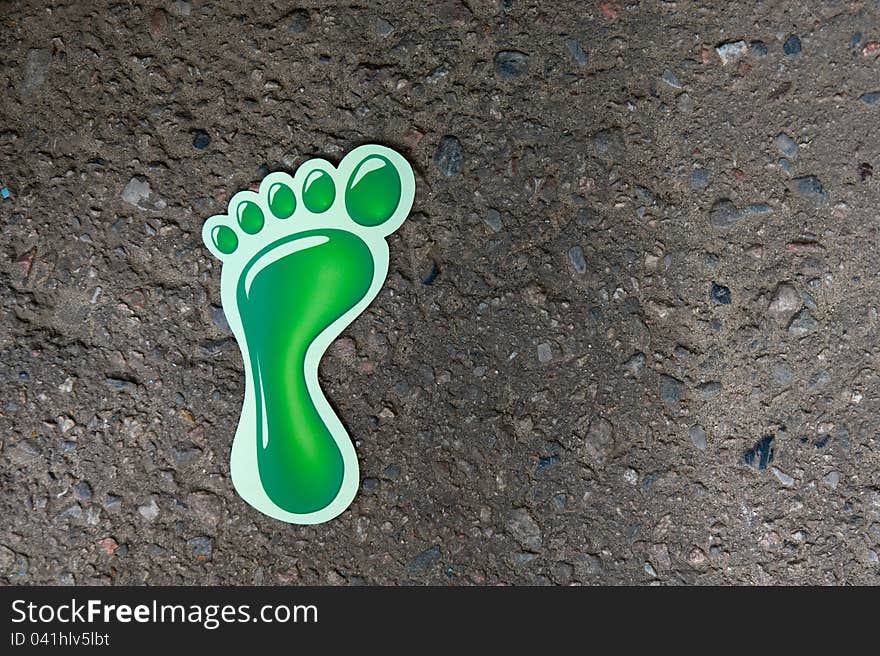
<point>302,258</point>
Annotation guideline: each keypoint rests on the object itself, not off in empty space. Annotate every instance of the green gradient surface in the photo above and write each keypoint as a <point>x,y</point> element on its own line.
<point>282,201</point>
<point>289,303</point>
<point>225,239</point>
<point>319,191</point>
<point>250,217</point>
<point>373,192</point>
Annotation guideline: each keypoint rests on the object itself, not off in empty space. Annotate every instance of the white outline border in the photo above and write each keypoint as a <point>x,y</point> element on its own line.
<point>243,460</point>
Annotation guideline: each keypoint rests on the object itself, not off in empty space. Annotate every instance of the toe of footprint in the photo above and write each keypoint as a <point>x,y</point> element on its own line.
<point>371,191</point>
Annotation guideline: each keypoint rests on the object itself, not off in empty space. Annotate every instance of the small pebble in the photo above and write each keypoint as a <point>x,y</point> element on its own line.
<point>810,188</point>
<point>709,390</point>
<point>120,385</point>
<point>671,391</point>
<point>74,512</point>
<point>699,178</point>
<point>524,529</point>
<point>511,63</point>
<point>803,324</point>
<point>576,257</point>
<point>185,453</point>
<point>449,158</point>
<point>781,374</point>
<point>493,219</point>
<point>431,273</point>
<point>731,51</point>
<point>344,349</point>
<point>545,352</point>
<point>670,79</point>
<point>720,294</point>
<point>546,462</point>
<point>158,24</point>
<point>201,140</point>
<point>724,215</point>
<point>182,7</point>
<point>149,511</point>
<point>437,74</point>
<point>818,381</point>
<point>136,191</point>
<point>782,477</point>
<point>685,103</point>
<point>82,491</point>
<point>785,301</point>
<point>809,301</point>
<point>383,28</point>
<point>786,145</point>
<point>523,557</point>
<point>112,502</point>
<point>424,560</point>
<point>219,319</point>
<point>792,45</point>
<point>301,22</point>
<point>635,364</point>
<point>587,217</point>
<point>202,547</point>
<point>760,455</point>
<point>108,545</point>
<point>758,48</point>
<point>871,98</point>
<point>577,52</point>
<point>36,66</point>
<point>832,479</point>
<point>698,436</point>
<point>871,49</point>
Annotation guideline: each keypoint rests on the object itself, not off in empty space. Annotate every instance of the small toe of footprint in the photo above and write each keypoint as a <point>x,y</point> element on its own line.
<point>319,191</point>
<point>282,200</point>
<point>224,239</point>
<point>250,217</point>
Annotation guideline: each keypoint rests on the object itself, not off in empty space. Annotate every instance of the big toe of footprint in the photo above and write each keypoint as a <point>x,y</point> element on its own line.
<point>302,258</point>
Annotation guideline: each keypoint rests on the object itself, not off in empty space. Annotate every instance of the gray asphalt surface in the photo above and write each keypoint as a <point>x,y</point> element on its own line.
<point>628,335</point>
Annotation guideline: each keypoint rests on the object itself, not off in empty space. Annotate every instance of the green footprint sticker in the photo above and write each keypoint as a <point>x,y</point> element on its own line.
<point>302,258</point>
